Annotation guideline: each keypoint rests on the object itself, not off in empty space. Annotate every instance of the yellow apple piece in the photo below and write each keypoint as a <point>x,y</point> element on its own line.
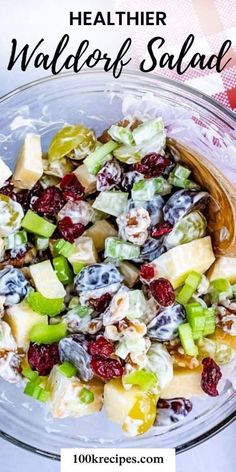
<point>85,251</point>
<point>46,280</point>
<point>185,383</point>
<point>130,273</point>
<point>86,179</point>
<point>21,318</point>
<point>133,409</point>
<point>176,263</point>
<point>65,395</point>
<point>223,268</point>
<point>99,231</point>
<point>29,165</point>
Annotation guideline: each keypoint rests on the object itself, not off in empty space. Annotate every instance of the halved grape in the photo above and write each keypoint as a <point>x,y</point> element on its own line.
<point>192,226</point>
<point>72,138</point>
<point>183,202</point>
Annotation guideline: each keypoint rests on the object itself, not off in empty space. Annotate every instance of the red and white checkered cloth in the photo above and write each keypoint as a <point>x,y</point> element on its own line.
<point>211,21</point>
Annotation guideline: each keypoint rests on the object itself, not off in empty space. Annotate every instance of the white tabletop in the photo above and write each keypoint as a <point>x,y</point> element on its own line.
<point>215,455</point>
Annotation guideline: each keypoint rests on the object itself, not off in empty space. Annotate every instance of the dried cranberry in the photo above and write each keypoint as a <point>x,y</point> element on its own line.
<point>153,165</point>
<point>107,369</point>
<point>101,347</point>
<point>100,304</point>
<point>8,189</point>
<point>49,202</point>
<point>43,357</point>
<point>71,188</point>
<point>69,230</point>
<point>162,291</point>
<point>160,229</point>
<point>211,375</point>
<point>172,410</point>
<point>109,176</point>
<point>147,272</point>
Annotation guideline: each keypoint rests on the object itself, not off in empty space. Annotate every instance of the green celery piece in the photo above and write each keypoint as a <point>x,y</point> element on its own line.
<point>181,172</point>
<point>143,378</point>
<point>220,285</point>
<point>62,269</point>
<point>197,334</point>
<point>63,248</point>
<point>145,190</point>
<point>67,369</point>
<point>99,157</point>
<point>43,305</point>
<point>47,334</point>
<point>137,304</point>
<point>15,240</point>
<point>43,396</point>
<point>41,243</point>
<point>37,225</point>
<point>210,326</point>
<point>187,341</point>
<point>77,266</point>
<point>113,203</point>
<point>148,130</point>
<point>32,390</point>
<point>182,183</point>
<point>117,249</point>
<point>82,310</point>
<point>86,396</point>
<point>29,373</point>
<point>74,302</point>
<point>185,294</point>
<point>194,309</point>
<point>194,279</point>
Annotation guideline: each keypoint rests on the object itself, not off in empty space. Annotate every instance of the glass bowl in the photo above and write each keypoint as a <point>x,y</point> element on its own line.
<point>97,100</point>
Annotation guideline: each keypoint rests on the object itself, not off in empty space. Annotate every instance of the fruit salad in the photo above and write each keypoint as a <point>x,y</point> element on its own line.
<point>112,291</point>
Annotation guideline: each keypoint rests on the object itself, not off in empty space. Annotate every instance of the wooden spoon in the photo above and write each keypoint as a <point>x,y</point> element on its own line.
<point>222,206</point>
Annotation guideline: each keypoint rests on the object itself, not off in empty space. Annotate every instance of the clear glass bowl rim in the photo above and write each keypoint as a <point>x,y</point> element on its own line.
<point>226,114</point>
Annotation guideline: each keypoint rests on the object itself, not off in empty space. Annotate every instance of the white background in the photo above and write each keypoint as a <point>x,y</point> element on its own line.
<point>29,21</point>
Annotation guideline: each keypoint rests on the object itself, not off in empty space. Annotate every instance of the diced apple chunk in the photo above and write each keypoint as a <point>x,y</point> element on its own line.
<point>64,399</point>
<point>5,172</point>
<point>46,280</point>
<point>118,402</point>
<point>86,179</point>
<point>185,383</point>
<point>130,273</point>
<point>85,251</point>
<point>176,263</point>
<point>223,268</point>
<point>29,165</point>
<point>21,319</point>
<point>99,231</point>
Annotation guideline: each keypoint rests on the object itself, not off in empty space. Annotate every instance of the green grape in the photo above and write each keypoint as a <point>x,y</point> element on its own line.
<point>221,353</point>
<point>75,138</point>
<point>192,226</point>
<point>11,215</point>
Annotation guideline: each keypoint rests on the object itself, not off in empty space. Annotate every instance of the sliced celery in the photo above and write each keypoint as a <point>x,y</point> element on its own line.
<point>187,341</point>
<point>185,294</point>
<point>86,396</point>
<point>221,285</point>
<point>43,305</point>
<point>113,203</point>
<point>41,243</point>
<point>67,369</point>
<point>47,334</point>
<point>194,278</point>
<point>62,269</point>
<point>117,249</point>
<point>63,248</point>
<point>145,190</point>
<point>143,378</point>
<point>99,157</point>
<point>37,225</point>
